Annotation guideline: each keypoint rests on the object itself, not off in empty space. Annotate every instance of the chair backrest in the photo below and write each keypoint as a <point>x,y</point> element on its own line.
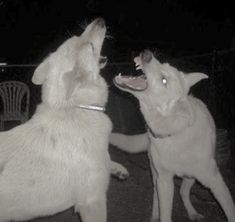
<point>15,99</point>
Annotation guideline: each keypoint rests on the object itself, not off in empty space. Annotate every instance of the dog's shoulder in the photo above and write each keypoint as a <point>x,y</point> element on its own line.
<point>201,111</point>
<point>198,104</point>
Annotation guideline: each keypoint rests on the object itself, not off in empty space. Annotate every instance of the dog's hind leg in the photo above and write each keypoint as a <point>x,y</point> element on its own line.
<point>93,211</point>
<point>212,179</point>
<point>185,188</point>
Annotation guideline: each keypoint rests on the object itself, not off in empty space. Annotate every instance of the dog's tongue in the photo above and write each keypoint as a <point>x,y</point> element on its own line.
<point>133,83</point>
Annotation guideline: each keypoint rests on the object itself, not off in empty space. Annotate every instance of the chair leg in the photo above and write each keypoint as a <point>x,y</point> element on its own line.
<point>1,125</point>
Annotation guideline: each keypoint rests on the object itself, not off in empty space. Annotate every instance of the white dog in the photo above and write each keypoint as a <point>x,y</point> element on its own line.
<point>181,135</point>
<point>60,158</point>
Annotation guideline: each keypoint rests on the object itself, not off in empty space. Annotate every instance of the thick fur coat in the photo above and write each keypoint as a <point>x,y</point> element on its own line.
<point>180,138</point>
<point>59,158</point>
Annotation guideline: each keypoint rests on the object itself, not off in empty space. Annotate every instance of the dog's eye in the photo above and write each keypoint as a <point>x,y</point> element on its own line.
<point>102,61</point>
<point>92,46</point>
<point>164,81</point>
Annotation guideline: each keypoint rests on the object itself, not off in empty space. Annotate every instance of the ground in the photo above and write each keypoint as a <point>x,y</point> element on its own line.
<point>131,200</point>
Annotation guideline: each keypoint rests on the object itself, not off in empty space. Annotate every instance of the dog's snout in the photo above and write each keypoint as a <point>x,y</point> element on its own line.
<point>147,56</point>
<point>100,22</point>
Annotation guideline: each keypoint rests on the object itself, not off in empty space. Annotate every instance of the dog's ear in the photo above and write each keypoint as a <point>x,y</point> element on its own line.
<point>41,72</point>
<point>193,78</point>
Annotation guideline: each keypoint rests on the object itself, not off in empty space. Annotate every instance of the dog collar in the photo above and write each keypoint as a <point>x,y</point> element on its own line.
<point>92,107</point>
<point>154,135</point>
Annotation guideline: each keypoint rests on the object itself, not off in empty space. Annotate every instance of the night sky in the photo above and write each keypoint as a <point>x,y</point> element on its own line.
<point>29,30</point>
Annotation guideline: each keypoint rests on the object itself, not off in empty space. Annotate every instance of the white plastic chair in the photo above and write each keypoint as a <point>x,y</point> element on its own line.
<point>15,100</point>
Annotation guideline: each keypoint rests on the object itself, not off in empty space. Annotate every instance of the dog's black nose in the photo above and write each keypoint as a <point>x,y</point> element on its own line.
<point>147,55</point>
<point>100,22</point>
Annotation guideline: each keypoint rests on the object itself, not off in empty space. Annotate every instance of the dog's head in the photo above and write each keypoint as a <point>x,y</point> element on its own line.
<point>74,68</point>
<point>159,82</point>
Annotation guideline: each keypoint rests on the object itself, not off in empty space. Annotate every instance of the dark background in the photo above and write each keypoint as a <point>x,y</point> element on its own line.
<point>31,29</point>
<point>191,35</point>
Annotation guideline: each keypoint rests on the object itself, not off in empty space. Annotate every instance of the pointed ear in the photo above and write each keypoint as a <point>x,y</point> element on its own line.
<point>193,78</point>
<point>41,72</point>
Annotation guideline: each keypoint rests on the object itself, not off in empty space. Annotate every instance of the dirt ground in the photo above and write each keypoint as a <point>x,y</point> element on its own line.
<point>131,200</point>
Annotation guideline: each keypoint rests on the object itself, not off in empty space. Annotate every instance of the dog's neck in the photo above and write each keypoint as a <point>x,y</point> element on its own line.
<point>155,135</point>
<point>92,107</point>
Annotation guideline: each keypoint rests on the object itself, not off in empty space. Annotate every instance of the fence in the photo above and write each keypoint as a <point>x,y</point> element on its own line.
<point>216,92</point>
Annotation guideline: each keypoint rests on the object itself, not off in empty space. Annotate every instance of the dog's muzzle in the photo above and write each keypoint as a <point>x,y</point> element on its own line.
<point>100,22</point>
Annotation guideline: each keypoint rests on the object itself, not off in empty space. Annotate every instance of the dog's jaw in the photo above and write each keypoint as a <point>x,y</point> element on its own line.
<point>133,83</point>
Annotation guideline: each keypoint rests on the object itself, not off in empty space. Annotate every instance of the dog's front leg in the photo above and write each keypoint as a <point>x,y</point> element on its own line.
<point>155,206</point>
<point>94,211</point>
<point>165,187</point>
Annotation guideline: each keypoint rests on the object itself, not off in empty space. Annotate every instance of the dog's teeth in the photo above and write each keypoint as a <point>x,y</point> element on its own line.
<point>120,74</point>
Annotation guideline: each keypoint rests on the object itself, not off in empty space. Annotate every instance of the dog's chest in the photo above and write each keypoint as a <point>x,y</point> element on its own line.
<point>172,155</point>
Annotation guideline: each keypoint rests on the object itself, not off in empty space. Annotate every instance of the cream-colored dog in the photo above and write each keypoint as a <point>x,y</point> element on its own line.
<point>181,136</point>
<point>59,158</point>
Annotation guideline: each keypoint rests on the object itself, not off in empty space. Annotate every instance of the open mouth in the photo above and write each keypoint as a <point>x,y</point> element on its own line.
<point>138,83</point>
<point>134,83</point>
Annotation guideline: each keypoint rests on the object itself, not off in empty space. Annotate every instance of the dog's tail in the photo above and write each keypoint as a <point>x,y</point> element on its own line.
<point>130,143</point>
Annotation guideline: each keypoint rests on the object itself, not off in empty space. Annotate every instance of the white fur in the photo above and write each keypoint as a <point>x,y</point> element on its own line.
<point>59,158</point>
<point>186,139</point>
<point>130,143</point>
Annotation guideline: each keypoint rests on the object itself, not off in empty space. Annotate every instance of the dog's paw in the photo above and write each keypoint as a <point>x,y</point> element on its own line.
<point>196,216</point>
<point>119,172</point>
